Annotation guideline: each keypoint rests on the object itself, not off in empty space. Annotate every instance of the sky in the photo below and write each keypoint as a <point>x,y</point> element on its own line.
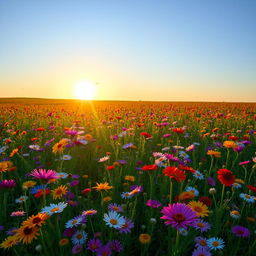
<point>176,50</point>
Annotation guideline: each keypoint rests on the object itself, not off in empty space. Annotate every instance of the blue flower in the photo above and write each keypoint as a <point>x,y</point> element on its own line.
<point>36,189</point>
<point>62,175</point>
<point>215,243</point>
<point>247,198</point>
<point>75,222</point>
<point>198,175</point>
<point>79,237</point>
<point>126,195</point>
<point>114,219</point>
<point>54,208</point>
<point>193,190</point>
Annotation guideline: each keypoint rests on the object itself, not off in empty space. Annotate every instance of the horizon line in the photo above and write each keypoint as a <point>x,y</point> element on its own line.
<point>200,101</point>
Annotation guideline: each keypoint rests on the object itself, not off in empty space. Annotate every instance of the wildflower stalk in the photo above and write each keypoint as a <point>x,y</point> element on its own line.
<point>227,158</point>
<point>212,161</point>
<point>176,251</point>
<point>252,171</point>
<point>171,185</point>
<point>222,194</point>
<point>245,173</point>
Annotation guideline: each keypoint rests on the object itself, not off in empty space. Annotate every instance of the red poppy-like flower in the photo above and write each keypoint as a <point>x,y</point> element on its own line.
<point>187,168</point>
<point>174,173</point>
<point>178,130</point>
<point>146,135</point>
<point>252,188</point>
<point>86,191</point>
<point>206,200</point>
<point>226,177</point>
<point>234,138</point>
<point>110,167</point>
<point>151,167</point>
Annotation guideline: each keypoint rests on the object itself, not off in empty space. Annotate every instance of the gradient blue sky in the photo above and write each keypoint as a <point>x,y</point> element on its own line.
<point>135,50</point>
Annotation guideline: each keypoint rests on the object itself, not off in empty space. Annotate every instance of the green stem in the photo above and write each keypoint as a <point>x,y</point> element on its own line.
<point>171,185</point>
<point>222,194</point>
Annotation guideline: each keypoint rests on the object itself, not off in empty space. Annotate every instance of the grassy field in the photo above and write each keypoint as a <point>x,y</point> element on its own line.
<point>127,178</point>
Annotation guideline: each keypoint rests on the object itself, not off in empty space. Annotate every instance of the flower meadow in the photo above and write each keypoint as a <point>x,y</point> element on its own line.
<point>127,178</point>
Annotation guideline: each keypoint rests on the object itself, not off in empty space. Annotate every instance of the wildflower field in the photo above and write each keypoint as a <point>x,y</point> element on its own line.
<point>127,178</point>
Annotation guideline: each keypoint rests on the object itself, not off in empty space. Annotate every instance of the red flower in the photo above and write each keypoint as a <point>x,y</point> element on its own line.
<point>86,191</point>
<point>42,192</point>
<point>174,173</point>
<point>206,200</point>
<point>234,138</point>
<point>226,177</point>
<point>110,167</point>
<point>252,188</point>
<point>152,167</point>
<point>178,130</point>
<point>146,135</point>
<point>187,168</point>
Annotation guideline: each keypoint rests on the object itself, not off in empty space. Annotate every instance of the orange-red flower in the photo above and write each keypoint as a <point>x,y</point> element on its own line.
<point>174,173</point>
<point>226,177</point>
<point>151,167</point>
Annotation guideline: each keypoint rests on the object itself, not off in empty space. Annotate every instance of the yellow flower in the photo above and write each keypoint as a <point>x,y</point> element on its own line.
<point>59,192</point>
<point>35,220</point>
<point>26,235</point>
<point>214,153</point>
<point>239,181</point>
<point>28,184</point>
<point>60,146</point>
<point>6,166</point>
<point>145,238</point>
<point>102,186</point>
<point>63,241</point>
<point>85,176</point>
<point>200,208</point>
<point>129,178</point>
<point>9,242</point>
<point>107,199</point>
<point>229,144</point>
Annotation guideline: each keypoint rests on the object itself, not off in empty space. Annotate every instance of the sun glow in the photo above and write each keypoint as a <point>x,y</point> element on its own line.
<point>85,90</point>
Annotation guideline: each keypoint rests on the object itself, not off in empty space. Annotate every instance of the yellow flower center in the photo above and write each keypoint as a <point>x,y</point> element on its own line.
<point>113,221</point>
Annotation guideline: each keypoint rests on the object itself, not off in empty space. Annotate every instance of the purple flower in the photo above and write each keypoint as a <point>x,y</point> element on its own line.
<point>126,228</point>
<point>94,244</point>
<point>202,225</point>
<point>69,232</point>
<point>116,246</point>
<point>201,251</point>
<point>77,248</point>
<point>7,184</point>
<point>75,176</point>
<point>43,174</point>
<point>104,250</point>
<point>1,228</point>
<point>211,181</point>
<point>171,157</point>
<point>241,231</point>
<point>74,183</point>
<point>201,242</point>
<point>69,195</point>
<point>153,203</point>
<point>115,207</point>
<point>178,215</point>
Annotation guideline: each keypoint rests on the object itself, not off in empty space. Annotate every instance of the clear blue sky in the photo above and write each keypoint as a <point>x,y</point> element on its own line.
<point>134,50</point>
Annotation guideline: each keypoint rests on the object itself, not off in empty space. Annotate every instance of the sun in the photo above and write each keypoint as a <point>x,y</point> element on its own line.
<point>85,90</point>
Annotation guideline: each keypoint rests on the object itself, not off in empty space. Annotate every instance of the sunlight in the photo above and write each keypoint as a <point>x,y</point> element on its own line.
<point>85,90</point>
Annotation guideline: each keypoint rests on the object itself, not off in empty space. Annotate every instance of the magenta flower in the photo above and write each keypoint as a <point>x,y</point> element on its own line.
<point>179,215</point>
<point>153,203</point>
<point>94,244</point>
<point>7,184</point>
<point>43,174</point>
<point>241,231</point>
